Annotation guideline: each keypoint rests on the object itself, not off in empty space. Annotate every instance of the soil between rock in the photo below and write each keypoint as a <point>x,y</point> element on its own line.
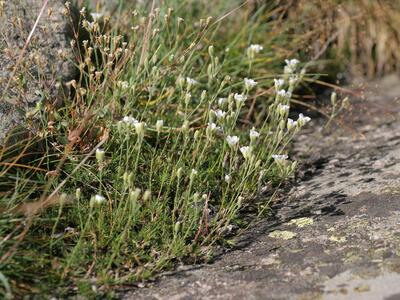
<point>336,235</point>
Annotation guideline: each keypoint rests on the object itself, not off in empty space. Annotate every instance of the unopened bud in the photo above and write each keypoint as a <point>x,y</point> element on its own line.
<point>147,195</point>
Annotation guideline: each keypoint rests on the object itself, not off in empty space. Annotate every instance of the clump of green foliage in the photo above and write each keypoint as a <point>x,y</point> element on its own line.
<point>169,131</point>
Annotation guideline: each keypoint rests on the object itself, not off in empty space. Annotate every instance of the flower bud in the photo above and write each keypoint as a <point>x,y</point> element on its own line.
<point>78,194</point>
<point>333,98</point>
<point>197,134</point>
<point>203,95</point>
<point>159,126</point>
<point>179,173</point>
<point>185,126</point>
<point>188,96</point>
<point>227,178</point>
<point>211,50</point>
<point>139,127</point>
<point>177,227</point>
<point>130,178</point>
<point>196,197</point>
<point>181,81</point>
<point>193,175</point>
<point>258,164</point>
<point>97,200</point>
<point>125,178</point>
<point>62,198</point>
<point>99,155</point>
<point>134,195</point>
<point>147,195</point>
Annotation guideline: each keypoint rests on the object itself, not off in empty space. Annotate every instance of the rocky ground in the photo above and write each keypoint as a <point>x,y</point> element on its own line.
<point>336,235</point>
<point>36,68</point>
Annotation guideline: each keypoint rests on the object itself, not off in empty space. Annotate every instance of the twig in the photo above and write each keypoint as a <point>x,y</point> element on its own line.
<point>143,54</point>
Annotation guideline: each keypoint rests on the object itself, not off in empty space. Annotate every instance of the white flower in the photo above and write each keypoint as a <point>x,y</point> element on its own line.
<point>129,120</point>
<point>212,126</point>
<point>283,94</point>
<point>232,140</point>
<point>292,62</point>
<point>220,114</point>
<point>302,120</point>
<point>100,155</point>
<point>254,134</point>
<point>291,123</point>
<point>280,157</point>
<point>123,85</point>
<point>246,151</point>
<point>191,81</point>
<point>249,83</point>
<point>291,65</point>
<point>240,98</point>
<point>279,83</point>
<point>227,178</point>
<point>159,125</point>
<point>283,108</point>
<point>255,48</point>
<point>222,101</point>
<point>97,200</point>
<point>96,16</point>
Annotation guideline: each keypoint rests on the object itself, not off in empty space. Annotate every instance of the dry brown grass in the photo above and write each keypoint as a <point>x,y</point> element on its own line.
<point>364,35</point>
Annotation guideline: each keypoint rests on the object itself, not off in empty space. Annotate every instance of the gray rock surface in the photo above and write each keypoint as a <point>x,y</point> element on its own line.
<point>46,65</point>
<point>334,235</point>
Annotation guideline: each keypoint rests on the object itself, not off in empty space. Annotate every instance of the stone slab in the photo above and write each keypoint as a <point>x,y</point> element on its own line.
<point>45,66</point>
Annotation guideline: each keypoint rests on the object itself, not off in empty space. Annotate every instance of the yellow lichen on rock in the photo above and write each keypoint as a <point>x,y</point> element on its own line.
<point>301,222</point>
<point>282,234</point>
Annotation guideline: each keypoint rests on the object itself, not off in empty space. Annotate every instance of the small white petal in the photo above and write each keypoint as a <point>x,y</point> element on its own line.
<point>280,157</point>
<point>222,101</point>
<point>96,16</point>
<point>256,48</point>
<point>254,134</point>
<point>239,98</point>
<point>191,81</point>
<point>249,83</point>
<point>279,83</point>
<point>232,140</point>
<point>220,114</point>
<point>246,151</point>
